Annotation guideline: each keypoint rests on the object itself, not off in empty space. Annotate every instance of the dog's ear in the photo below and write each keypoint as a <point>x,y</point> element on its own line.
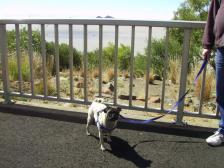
<point>106,110</point>
<point>118,109</point>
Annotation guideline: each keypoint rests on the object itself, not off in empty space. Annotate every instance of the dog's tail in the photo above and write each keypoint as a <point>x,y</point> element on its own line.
<point>99,100</point>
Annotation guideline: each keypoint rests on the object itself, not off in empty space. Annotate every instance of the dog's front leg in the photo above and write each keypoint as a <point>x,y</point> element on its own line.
<point>87,129</point>
<point>87,125</point>
<point>101,141</point>
<point>109,137</point>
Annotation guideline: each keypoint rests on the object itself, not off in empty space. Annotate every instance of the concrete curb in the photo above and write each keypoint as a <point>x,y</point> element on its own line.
<point>69,116</point>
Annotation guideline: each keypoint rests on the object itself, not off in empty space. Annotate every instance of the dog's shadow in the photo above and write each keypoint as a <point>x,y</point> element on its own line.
<point>121,149</point>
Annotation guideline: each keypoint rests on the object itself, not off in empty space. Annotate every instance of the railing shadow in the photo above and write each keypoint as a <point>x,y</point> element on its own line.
<point>164,128</point>
<point>170,129</point>
<point>182,142</point>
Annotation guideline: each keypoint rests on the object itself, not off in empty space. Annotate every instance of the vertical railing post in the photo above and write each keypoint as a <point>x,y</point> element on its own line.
<point>148,66</point>
<point>4,62</point>
<point>100,58</point>
<point>57,60</point>
<point>30,51</point>
<point>116,63</point>
<point>43,53</point>
<point>85,64</point>
<point>183,77</point>
<point>165,68</point>
<point>131,65</point>
<point>18,54</point>
<point>70,30</point>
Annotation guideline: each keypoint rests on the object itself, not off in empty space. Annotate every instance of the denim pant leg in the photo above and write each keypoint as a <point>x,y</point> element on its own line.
<point>220,85</point>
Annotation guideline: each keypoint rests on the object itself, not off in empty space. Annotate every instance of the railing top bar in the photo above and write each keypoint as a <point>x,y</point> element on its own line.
<point>154,23</point>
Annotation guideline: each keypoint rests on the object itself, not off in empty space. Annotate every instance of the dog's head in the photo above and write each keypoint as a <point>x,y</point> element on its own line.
<point>112,113</point>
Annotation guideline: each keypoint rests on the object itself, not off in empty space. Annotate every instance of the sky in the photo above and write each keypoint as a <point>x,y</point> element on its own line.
<point>72,9</point>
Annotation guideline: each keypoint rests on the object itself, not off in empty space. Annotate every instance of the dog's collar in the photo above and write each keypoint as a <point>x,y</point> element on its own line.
<point>105,128</point>
<point>100,126</point>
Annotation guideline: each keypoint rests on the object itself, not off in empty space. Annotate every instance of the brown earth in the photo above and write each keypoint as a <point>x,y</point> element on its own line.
<point>155,92</point>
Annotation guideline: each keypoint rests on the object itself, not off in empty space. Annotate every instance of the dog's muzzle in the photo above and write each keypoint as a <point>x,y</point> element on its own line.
<point>113,116</point>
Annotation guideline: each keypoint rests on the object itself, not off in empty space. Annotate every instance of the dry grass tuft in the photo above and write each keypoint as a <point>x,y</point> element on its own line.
<point>207,88</point>
<point>110,74</point>
<point>174,70</point>
<point>151,78</point>
<point>95,73</point>
<point>126,74</point>
<point>81,73</point>
<point>39,88</point>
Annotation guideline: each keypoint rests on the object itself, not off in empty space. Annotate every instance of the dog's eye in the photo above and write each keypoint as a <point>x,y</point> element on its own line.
<point>110,115</point>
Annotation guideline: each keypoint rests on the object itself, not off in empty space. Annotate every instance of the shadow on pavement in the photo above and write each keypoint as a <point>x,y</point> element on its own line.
<point>77,117</point>
<point>170,129</point>
<point>121,149</point>
<point>183,142</point>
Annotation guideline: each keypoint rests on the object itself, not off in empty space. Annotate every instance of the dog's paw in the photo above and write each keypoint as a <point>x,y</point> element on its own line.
<point>102,148</point>
<point>88,134</point>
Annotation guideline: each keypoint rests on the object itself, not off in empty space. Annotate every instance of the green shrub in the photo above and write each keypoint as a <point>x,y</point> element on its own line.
<point>64,57</point>
<point>93,59</point>
<point>24,39</point>
<point>140,62</point>
<point>124,53</point>
<point>108,55</point>
<point>157,56</point>
<point>36,44</point>
<point>13,68</point>
<point>124,56</point>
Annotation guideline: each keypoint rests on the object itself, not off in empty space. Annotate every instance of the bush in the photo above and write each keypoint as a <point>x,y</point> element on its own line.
<point>36,44</point>
<point>140,62</point>
<point>124,53</point>
<point>24,39</point>
<point>157,56</point>
<point>13,69</point>
<point>63,56</point>
<point>108,55</point>
<point>93,59</point>
<point>124,56</point>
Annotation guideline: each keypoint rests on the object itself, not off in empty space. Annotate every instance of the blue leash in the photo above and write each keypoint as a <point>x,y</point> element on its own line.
<point>174,106</point>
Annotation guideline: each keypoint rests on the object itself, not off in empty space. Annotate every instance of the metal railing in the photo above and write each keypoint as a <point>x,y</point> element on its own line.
<point>187,26</point>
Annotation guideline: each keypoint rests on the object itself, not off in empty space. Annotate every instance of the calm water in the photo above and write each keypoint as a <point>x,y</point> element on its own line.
<point>141,36</point>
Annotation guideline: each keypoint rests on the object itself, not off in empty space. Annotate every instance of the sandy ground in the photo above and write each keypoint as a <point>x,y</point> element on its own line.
<point>155,90</point>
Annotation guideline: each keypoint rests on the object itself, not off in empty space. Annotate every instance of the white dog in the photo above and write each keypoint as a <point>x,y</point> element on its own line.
<point>105,117</point>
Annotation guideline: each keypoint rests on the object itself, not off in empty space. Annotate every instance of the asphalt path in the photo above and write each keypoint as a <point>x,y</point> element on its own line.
<point>40,142</point>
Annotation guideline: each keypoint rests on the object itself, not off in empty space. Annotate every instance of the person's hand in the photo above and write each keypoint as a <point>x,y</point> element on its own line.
<point>206,53</point>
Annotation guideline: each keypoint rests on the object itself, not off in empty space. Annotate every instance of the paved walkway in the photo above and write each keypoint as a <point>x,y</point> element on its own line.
<point>40,142</point>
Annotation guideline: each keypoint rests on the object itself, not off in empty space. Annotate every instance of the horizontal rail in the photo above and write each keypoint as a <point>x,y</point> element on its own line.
<point>171,24</point>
